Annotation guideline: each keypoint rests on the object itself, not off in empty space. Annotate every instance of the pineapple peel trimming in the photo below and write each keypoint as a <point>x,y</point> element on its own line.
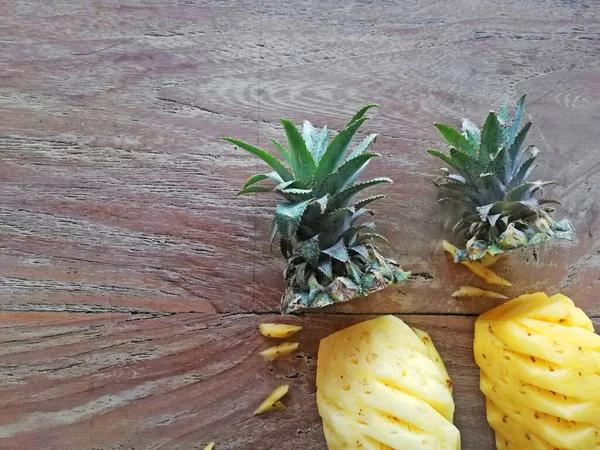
<point>489,171</point>
<point>331,250</point>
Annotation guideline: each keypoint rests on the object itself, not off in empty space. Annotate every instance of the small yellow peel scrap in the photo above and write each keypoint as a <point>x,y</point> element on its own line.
<point>477,268</point>
<point>278,406</point>
<point>470,291</point>
<point>278,330</point>
<point>279,351</point>
<point>209,446</point>
<point>272,401</point>
<point>489,260</point>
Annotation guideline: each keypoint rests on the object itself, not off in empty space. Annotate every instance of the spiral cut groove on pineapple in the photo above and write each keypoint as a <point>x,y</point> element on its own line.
<point>382,385</point>
<point>540,372</point>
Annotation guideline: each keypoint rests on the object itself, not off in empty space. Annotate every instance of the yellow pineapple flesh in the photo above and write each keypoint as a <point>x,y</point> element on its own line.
<point>381,385</point>
<point>278,330</point>
<point>272,403</point>
<point>279,351</point>
<point>489,260</point>
<point>540,372</point>
<point>471,291</point>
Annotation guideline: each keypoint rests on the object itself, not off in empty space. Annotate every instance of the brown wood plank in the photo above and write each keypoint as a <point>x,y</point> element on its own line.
<point>118,196</point>
<point>178,382</point>
<point>118,199</point>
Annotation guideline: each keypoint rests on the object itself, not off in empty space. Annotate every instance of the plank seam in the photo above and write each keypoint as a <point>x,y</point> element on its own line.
<point>260,45</point>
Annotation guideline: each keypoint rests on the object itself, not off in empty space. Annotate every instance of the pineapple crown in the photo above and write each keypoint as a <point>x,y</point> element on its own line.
<point>490,174</point>
<point>331,252</point>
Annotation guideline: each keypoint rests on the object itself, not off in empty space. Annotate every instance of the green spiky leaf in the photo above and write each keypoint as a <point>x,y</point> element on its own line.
<point>526,190</point>
<point>354,272</point>
<point>260,177</point>
<point>452,135</point>
<point>525,170</point>
<point>346,195</point>
<point>302,161</point>
<point>455,139</point>
<point>360,213</point>
<point>360,113</point>
<point>326,268</point>
<point>336,151</point>
<point>401,275</point>
<point>503,114</point>
<point>490,137</point>
<point>314,287</point>
<point>361,250</point>
<point>516,123</point>
<point>316,140</point>
<point>338,251</point>
<point>288,217</point>
<point>368,281</point>
<point>364,202</point>
<point>266,157</point>
<point>471,133</point>
<point>385,269</point>
<point>369,237</point>
<point>443,157</point>
<point>310,250</point>
<point>367,227</point>
<point>294,191</point>
<point>466,164</point>
<point>254,189</point>
<point>492,185</point>
<point>363,146</point>
<point>282,150</point>
<point>346,174</point>
<point>515,151</point>
<point>339,219</point>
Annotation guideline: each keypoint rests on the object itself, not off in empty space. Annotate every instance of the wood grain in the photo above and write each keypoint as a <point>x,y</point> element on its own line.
<point>117,194</point>
<point>177,382</point>
<point>132,277</point>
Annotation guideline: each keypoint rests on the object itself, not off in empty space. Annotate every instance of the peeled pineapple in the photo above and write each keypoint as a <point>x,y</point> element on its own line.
<point>540,373</point>
<point>381,385</point>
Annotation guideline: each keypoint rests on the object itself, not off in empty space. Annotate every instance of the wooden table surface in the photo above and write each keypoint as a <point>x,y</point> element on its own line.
<point>132,278</point>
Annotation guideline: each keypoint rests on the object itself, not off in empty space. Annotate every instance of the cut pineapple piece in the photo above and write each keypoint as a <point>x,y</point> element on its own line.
<point>381,385</point>
<point>278,330</point>
<point>278,406</point>
<point>209,446</point>
<point>279,351</point>
<point>488,275</point>
<point>540,372</point>
<point>470,291</point>
<point>489,260</point>
<point>272,401</point>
